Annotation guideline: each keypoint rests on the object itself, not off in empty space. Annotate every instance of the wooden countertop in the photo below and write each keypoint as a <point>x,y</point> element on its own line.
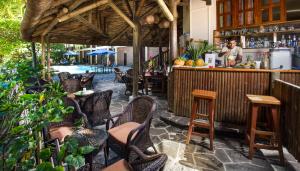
<point>233,69</point>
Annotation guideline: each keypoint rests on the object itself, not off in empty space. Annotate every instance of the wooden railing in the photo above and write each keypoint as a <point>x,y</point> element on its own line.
<point>289,95</point>
<point>157,61</point>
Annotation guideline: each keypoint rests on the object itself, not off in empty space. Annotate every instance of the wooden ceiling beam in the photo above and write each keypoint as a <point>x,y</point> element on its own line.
<point>121,14</point>
<point>120,34</point>
<point>82,10</point>
<point>62,12</point>
<point>165,10</point>
<point>88,24</point>
<point>140,7</point>
<point>129,7</point>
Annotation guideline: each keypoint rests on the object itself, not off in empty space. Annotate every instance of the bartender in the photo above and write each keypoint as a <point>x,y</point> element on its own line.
<point>232,54</point>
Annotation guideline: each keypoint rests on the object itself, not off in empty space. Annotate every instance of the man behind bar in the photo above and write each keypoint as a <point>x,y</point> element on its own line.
<point>231,53</point>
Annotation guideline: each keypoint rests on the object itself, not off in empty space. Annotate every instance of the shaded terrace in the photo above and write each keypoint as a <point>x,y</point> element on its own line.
<point>121,22</point>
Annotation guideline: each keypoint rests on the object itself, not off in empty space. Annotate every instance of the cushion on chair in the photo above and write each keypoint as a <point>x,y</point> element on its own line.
<point>120,133</point>
<point>60,132</point>
<point>121,165</point>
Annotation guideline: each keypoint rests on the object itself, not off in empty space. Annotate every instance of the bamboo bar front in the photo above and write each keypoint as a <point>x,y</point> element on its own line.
<point>231,86</point>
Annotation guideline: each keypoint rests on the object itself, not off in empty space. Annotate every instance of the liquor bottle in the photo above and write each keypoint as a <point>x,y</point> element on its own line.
<point>289,41</point>
<point>283,41</point>
<point>266,42</point>
<point>294,40</point>
<point>247,43</point>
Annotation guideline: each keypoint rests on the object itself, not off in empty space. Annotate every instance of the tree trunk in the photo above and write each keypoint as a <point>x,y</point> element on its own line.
<point>34,59</point>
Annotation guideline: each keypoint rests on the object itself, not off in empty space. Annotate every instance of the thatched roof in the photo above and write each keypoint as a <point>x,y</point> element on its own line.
<point>99,26</point>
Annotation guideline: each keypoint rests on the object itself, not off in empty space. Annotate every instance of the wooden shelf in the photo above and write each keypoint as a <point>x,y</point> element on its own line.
<point>261,34</point>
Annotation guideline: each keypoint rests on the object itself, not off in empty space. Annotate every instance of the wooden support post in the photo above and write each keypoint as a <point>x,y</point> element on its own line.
<point>43,61</point>
<point>173,32</point>
<point>48,60</point>
<point>136,57</point>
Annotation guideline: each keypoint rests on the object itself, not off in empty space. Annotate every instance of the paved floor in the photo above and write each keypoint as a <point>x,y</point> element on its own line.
<point>230,152</point>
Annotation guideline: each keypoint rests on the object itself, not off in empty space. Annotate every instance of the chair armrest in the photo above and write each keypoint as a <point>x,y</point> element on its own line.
<point>135,130</point>
<point>111,119</point>
<point>83,115</point>
<point>142,155</point>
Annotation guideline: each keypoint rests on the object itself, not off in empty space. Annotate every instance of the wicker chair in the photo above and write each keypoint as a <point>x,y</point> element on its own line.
<point>143,163</point>
<point>87,80</point>
<point>96,107</point>
<point>128,80</point>
<point>118,75</point>
<point>63,76</point>
<point>132,127</point>
<point>71,85</point>
<point>57,132</point>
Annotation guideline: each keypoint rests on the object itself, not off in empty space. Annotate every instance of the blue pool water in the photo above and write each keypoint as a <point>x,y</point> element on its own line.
<point>74,69</point>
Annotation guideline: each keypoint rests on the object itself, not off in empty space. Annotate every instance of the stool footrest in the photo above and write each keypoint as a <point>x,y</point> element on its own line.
<point>202,115</point>
<point>201,134</point>
<point>267,133</point>
<point>265,146</point>
<point>201,124</point>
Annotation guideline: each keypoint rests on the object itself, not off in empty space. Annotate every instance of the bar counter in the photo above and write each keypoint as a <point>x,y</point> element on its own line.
<point>231,86</point>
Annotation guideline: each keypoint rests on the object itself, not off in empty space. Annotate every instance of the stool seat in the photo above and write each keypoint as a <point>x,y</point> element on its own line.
<point>266,100</point>
<point>204,94</point>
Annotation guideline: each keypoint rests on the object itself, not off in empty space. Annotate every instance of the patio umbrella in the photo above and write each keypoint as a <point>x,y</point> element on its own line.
<point>71,53</point>
<point>101,52</point>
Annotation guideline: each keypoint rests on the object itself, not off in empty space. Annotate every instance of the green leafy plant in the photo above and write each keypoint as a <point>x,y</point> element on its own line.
<point>194,51</point>
<point>23,116</point>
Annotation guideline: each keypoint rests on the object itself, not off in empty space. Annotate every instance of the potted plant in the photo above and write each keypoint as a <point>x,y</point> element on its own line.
<point>197,51</point>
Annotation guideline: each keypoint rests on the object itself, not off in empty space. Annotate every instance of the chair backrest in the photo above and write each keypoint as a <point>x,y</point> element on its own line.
<point>96,107</point>
<point>142,108</point>
<point>117,70</point>
<point>129,72</point>
<point>71,85</point>
<point>63,76</point>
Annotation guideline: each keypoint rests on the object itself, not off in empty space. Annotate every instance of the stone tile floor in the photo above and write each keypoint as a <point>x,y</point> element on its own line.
<point>230,153</point>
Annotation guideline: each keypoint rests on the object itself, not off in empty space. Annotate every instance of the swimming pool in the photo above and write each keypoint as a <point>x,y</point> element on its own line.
<point>73,69</point>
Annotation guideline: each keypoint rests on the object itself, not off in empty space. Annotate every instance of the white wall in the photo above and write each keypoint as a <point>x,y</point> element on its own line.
<point>202,20</point>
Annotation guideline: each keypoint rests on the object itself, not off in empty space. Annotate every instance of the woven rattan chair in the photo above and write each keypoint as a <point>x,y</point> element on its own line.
<point>143,163</point>
<point>132,127</point>
<point>96,108</point>
<point>118,74</point>
<point>71,85</point>
<point>63,76</point>
<point>128,80</point>
<point>87,80</point>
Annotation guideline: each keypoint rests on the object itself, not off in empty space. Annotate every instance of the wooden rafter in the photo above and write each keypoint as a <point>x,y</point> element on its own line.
<point>165,10</point>
<point>128,7</point>
<point>121,14</point>
<point>82,10</point>
<point>88,24</point>
<point>116,37</point>
<point>140,6</point>
<point>62,12</point>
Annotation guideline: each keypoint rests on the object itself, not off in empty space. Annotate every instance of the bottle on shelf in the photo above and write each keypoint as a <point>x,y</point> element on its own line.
<point>247,43</point>
<point>252,43</point>
<point>289,41</point>
<point>266,42</point>
<point>294,41</point>
<point>283,41</point>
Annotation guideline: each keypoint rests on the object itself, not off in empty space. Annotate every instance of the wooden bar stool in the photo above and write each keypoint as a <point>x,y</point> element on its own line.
<point>202,120</point>
<point>273,135</point>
